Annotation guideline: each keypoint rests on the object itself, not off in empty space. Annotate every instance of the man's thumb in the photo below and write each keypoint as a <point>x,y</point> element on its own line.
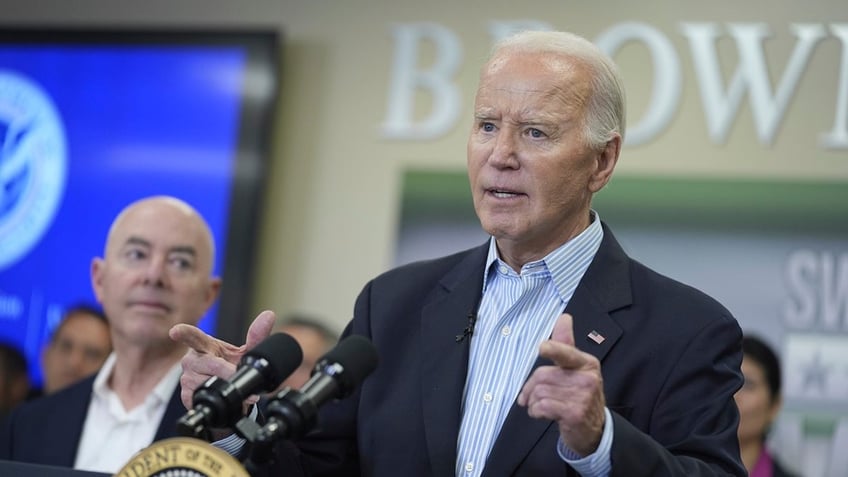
<point>260,329</point>
<point>563,330</point>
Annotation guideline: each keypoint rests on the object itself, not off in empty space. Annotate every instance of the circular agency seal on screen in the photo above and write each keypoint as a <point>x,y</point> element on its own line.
<point>32,165</point>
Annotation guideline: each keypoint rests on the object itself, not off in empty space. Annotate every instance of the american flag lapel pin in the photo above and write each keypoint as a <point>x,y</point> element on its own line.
<point>596,337</point>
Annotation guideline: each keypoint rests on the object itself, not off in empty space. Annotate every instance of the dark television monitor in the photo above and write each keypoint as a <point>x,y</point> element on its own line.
<point>91,120</point>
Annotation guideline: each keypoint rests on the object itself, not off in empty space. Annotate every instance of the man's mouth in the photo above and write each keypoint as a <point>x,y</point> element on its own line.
<point>151,304</point>
<point>503,193</point>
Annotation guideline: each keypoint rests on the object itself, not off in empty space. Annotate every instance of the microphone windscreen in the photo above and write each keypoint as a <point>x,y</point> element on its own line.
<point>282,353</point>
<point>358,358</point>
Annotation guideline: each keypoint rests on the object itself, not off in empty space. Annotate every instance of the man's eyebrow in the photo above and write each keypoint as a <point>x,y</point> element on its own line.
<point>133,240</point>
<point>187,249</point>
<point>484,112</point>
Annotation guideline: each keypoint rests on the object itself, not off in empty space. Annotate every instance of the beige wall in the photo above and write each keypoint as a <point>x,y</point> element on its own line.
<point>331,210</point>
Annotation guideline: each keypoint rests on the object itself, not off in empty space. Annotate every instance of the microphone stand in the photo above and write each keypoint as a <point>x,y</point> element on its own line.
<point>291,413</point>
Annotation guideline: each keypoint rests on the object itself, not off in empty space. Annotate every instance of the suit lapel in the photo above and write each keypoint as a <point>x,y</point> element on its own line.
<point>168,424</point>
<point>69,415</point>
<point>604,287</point>
<point>444,362</point>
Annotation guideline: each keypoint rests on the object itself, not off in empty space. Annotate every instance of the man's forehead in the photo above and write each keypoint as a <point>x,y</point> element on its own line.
<point>149,227</point>
<point>163,222</point>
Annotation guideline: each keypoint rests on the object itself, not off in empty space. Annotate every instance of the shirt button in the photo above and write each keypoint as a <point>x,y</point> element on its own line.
<point>469,467</point>
<point>503,269</point>
<point>487,397</point>
<point>506,330</point>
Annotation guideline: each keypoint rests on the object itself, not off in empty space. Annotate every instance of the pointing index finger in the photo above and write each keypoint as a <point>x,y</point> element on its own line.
<point>195,338</point>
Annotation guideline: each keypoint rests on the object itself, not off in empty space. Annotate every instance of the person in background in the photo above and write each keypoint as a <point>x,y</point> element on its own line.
<point>759,403</point>
<point>156,272</point>
<point>78,348</point>
<point>546,350</point>
<point>14,378</point>
<point>314,339</point>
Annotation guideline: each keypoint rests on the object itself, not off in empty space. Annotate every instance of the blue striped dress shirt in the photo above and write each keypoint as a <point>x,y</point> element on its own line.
<point>517,312</point>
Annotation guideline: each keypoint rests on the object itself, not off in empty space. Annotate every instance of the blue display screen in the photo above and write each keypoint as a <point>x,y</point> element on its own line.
<point>87,128</point>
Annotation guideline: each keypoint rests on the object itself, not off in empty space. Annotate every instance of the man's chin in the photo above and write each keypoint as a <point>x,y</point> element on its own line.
<point>147,329</point>
<point>501,231</point>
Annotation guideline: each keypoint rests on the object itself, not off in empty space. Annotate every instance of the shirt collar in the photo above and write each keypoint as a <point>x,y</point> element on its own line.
<point>577,252</point>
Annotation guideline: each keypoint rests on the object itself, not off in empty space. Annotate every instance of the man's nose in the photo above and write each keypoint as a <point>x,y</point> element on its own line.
<point>504,153</point>
<point>155,273</point>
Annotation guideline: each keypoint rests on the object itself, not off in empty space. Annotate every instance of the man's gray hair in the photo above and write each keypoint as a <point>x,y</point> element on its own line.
<point>605,114</point>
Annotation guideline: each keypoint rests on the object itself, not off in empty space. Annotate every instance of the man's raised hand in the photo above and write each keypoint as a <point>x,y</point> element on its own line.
<point>571,392</point>
<point>208,356</point>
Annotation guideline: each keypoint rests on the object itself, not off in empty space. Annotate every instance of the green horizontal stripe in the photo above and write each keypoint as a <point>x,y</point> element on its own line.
<point>745,205</point>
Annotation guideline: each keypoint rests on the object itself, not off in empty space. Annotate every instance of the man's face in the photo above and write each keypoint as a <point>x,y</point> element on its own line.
<point>532,174</point>
<point>78,349</point>
<point>155,273</point>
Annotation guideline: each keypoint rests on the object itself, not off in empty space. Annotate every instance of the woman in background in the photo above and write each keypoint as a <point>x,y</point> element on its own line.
<point>759,401</point>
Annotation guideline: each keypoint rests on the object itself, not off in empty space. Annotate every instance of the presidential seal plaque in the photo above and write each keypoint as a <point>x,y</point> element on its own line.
<point>182,457</point>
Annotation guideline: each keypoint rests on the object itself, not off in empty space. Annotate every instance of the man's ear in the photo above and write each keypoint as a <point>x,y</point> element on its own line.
<point>213,290</point>
<point>605,161</point>
<point>97,265</point>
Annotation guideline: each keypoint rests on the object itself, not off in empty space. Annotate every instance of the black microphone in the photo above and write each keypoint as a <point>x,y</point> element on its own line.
<point>469,328</point>
<point>218,402</point>
<point>291,413</point>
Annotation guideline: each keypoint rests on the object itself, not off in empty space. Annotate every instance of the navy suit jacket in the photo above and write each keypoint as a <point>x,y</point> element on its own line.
<point>48,430</point>
<point>670,362</point>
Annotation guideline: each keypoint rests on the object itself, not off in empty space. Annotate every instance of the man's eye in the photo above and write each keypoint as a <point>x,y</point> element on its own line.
<point>536,133</point>
<point>488,127</point>
<point>182,263</point>
<point>135,254</point>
